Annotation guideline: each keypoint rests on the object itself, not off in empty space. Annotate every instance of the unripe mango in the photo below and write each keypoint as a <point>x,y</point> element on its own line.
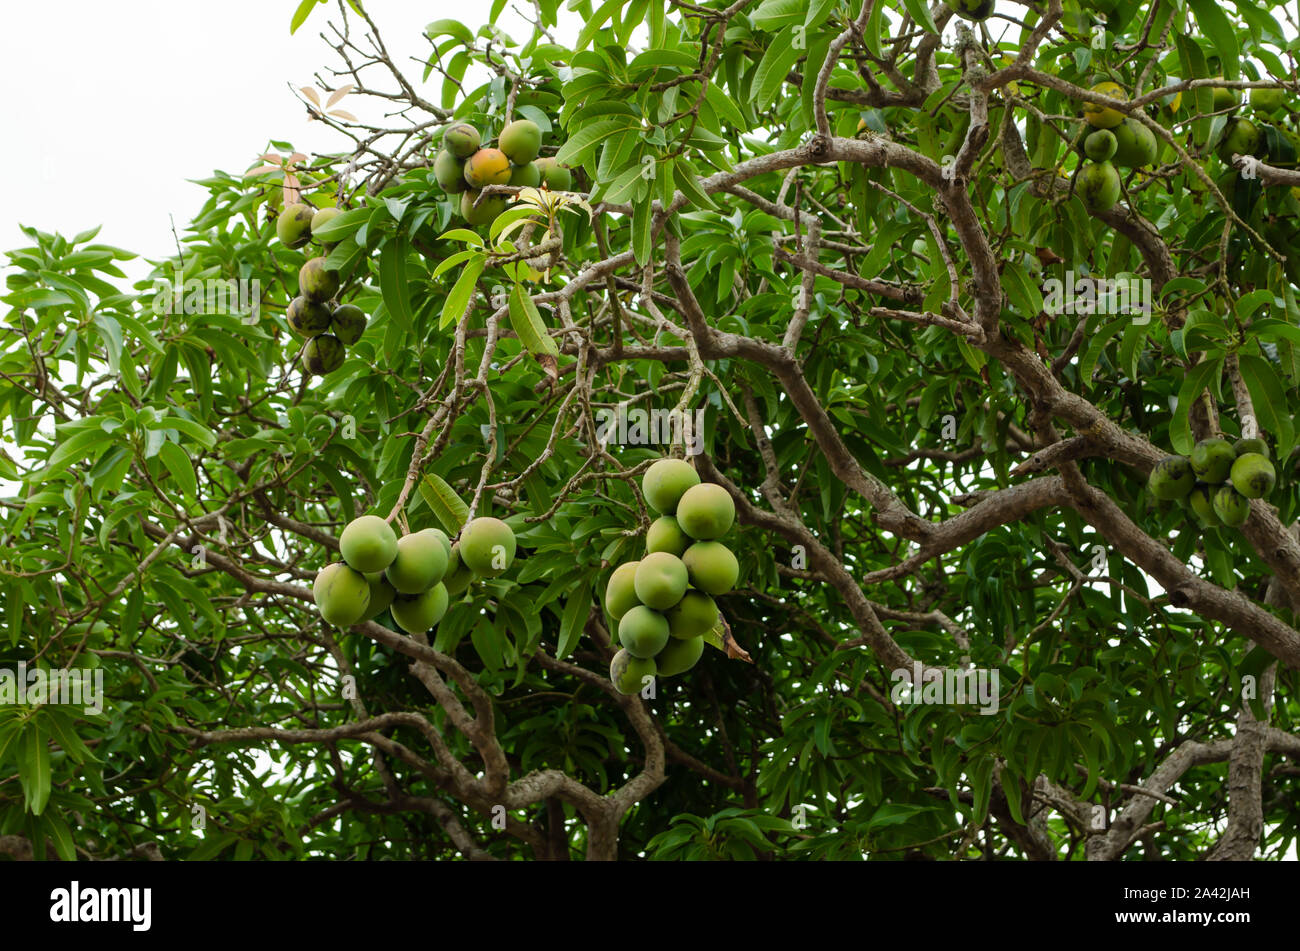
<point>1267,101</point>
<point>526,176</point>
<point>487,210</point>
<point>643,632</point>
<point>321,219</point>
<point>458,575</point>
<point>323,354</point>
<point>664,534</point>
<point>706,511</point>
<point>316,282</point>
<point>1100,145</point>
<point>620,592</point>
<point>293,227</point>
<point>1253,475</point>
<point>1136,145</point>
<point>461,140</point>
<point>450,173</point>
<point>443,540</point>
<point>342,594</point>
<point>307,318</point>
<point>1226,98</point>
<point>521,140</point>
<point>1243,446</point>
<point>381,596</point>
<point>1201,501</point>
<point>1240,136</point>
<point>348,323</point>
<point>368,544</point>
<point>415,614</point>
<point>1097,186</point>
<point>695,614</point>
<point>1231,507</point>
<point>711,567</point>
<point>628,673</point>
<point>660,580</point>
<point>487,546</point>
<point>1171,478</point>
<point>679,656</point>
<point>665,482</point>
<point>420,563</point>
<point>556,177</point>
<point>1212,460</point>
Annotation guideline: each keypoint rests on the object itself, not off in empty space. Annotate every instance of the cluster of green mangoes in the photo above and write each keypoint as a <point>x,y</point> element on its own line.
<point>413,577</point>
<point>330,327</point>
<point>1217,480</point>
<point>1116,141</point>
<point>1247,136</point>
<point>463,167</point>
<point>1120,141</point>
<point>664,603</point>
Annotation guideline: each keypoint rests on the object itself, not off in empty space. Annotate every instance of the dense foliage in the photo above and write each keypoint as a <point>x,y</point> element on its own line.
<point>832,234</point>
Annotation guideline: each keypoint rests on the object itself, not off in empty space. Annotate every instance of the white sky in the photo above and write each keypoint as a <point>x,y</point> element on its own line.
<point>110,108</point>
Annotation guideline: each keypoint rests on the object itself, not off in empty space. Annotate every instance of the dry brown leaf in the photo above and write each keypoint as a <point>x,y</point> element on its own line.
<point>263,170</point>
<point>1048,256</point>
<point>734,650</point>
<point>550,365</point>
<point>338,94</point>
<point>310,94</point>
<point>343,114</point>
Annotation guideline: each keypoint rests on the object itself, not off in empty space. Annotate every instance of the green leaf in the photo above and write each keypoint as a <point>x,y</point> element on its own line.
<point>579,148</point>
<point>463,234</point>
<point>196,431</point>
<point>981,782</point>
<point>453,308</point>
<point>642,219</point>
<point>1271,406</point>
<point>454,260</point>
<point>392,282</point>
<point>342,226</point>
<point>920,11</point>
<point>1216,25</point>
<point>594,23</point>
<point>1011,786</point>
<point>575,615</point>
<point>1196,380</point>
<point>1275,330</point>
<point>685,178</point>
<point>1021,291</point>
<point>778,59</point>
<point>527,324</point>
<point>179,465</point>
<point>450,28</point>
<point>447,507</point>
<point>34,768</point>
<point>61,836</point>
<point>654,58</point>
<point>300,15</point>
<point>517,217</point>
<point>76,448</point>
